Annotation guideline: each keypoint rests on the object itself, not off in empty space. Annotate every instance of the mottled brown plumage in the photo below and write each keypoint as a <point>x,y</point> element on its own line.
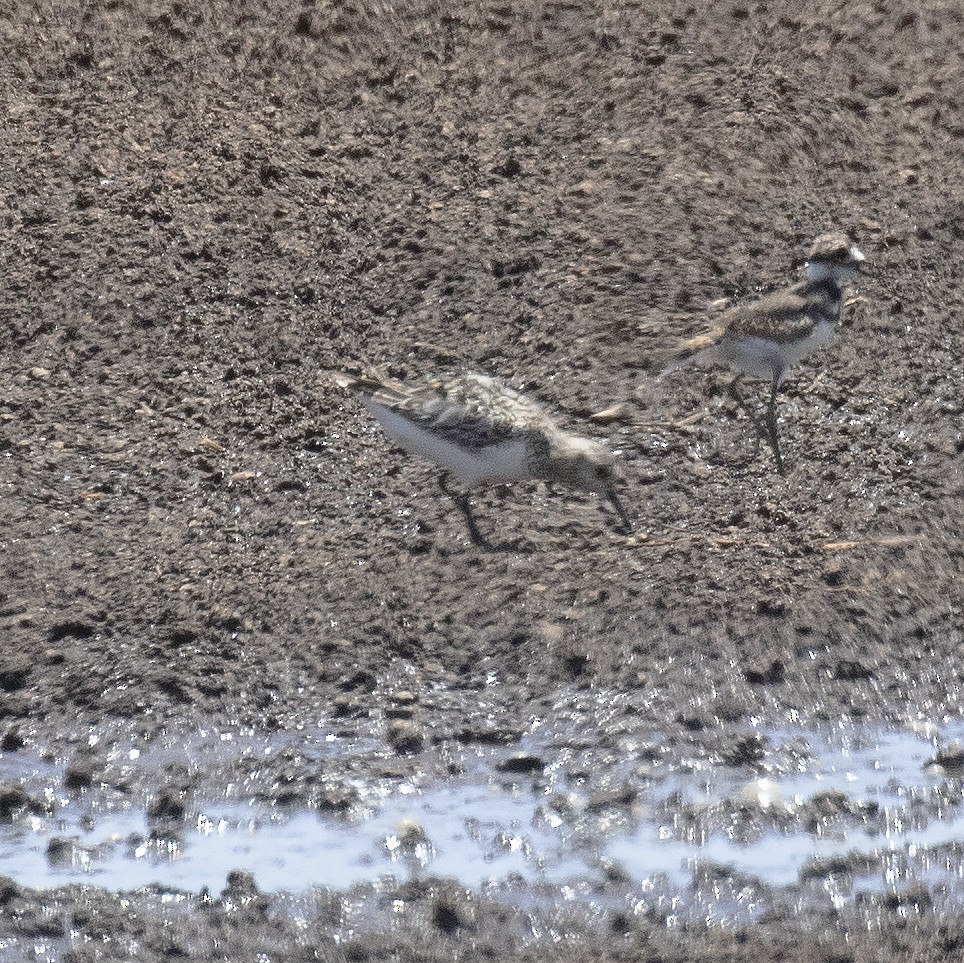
<point>783,316</point>
<point>466,411</point>
<point>767,337</point>
<point>483,432</point>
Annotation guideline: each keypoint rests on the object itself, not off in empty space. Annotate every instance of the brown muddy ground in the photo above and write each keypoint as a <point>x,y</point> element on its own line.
<point>203,213</point>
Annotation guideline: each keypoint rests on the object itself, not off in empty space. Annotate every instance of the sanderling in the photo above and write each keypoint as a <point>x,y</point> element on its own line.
<point>765,338</point>
<point>483,433</point>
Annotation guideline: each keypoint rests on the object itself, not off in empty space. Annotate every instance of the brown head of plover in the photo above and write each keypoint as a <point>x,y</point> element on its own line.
<point>483,433</point>
<point>767,337</point>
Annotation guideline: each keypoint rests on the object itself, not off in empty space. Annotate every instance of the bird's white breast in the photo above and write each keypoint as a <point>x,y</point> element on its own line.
<point>763,358</point>
<point>794,351</point>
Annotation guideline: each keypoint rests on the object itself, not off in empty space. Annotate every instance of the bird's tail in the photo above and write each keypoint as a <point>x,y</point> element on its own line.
<point>374,382</point>
<point>688,352</point>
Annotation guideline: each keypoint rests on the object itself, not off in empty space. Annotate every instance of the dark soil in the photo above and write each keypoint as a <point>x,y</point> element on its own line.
<point>206,212</point>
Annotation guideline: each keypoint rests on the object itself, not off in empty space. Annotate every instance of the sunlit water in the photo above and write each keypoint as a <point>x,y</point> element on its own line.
<point>487,827</point>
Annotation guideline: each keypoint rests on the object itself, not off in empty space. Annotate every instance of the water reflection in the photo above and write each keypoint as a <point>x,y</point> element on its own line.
<point>872,809</point>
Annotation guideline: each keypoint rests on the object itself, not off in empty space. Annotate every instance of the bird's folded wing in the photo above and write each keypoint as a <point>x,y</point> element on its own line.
<point>430,407</point>
<point>495,399</point>
<point>458,423</point>
<point>782,316</point>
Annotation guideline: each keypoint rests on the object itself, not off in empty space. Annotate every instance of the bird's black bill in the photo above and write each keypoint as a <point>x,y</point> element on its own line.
<point>613,499</point>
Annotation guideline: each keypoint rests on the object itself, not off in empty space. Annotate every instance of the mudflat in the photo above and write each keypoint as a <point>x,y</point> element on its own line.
<point>208,211</point>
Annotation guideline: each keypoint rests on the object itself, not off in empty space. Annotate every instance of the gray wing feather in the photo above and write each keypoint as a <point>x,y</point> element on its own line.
<point>472,411</point>
<point>782,316</point>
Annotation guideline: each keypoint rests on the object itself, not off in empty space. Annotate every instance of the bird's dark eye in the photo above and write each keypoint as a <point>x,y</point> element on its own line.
<point>605,472</point>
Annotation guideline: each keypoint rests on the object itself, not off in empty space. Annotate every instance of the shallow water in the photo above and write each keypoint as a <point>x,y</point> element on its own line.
<point>902,809</point>
<point>895,818</point>
<point>477,833</point>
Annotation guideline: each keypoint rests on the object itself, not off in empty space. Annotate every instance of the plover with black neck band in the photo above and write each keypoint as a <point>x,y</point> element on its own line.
<point>767,337</point>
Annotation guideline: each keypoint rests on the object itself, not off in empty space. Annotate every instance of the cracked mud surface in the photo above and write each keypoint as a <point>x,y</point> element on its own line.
<point>205,213</point>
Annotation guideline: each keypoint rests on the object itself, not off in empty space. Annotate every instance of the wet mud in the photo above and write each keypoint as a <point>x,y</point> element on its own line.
<point>206,212</point>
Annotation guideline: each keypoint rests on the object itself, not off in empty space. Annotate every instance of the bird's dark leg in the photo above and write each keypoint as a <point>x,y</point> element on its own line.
<point>772,422</point>
<point>461,499</point>
<point>750,413</point>
<point>620,510</point>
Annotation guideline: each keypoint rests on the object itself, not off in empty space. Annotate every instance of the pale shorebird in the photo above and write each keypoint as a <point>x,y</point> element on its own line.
<point>765,338</point>
<point>483,433</point>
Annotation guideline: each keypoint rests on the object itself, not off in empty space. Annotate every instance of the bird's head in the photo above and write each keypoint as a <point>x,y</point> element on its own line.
<point>582,463</point>
<point>587,465</point>
<point>834,256</point>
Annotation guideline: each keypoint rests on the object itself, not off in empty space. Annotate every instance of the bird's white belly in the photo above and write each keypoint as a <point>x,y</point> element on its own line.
<point>493,465</point>
<point>762,358</point>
